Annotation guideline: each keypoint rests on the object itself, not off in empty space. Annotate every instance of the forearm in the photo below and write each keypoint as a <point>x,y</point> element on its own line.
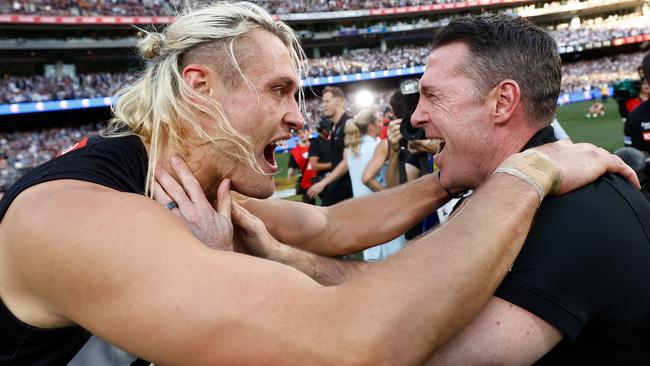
<point>374,185</point>
<point>325,270</point>
<point>457,268</point>
<point>352,224</point>
<point>336,174</point>
<point>318,166</point>
<point>392,172</point>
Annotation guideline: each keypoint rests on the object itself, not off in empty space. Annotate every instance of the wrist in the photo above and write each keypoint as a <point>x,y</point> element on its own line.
<point>535,169</point>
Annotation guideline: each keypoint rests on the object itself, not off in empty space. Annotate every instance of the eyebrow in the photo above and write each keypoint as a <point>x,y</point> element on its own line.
<point>429,90</point>
<point>286,80</point>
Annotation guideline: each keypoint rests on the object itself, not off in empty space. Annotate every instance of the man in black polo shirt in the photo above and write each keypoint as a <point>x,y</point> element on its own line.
<point>579,292</point>
<point>637,123</point>
<point>320,155</point>
<point>334,110</point>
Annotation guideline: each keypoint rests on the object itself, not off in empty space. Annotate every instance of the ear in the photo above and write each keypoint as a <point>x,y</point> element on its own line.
<point>506,96</point>
<point>197,77</point>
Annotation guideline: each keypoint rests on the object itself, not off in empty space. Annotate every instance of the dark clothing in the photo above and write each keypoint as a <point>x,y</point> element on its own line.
<point>584,269</point>
<point>424,163</point>
<point>321,148</point>
<point>341,189</point>
<point>637,128</point>
<point>118,163</point>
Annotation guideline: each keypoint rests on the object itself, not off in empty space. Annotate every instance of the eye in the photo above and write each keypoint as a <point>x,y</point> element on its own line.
<point>278,90</point>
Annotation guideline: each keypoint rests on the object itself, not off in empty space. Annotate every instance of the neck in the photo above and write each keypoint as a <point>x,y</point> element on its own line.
<point>337,116</point>
<point>508,143</point>
<point>206,181</point>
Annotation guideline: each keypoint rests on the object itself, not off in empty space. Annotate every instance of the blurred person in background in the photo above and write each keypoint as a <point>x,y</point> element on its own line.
<point>84,251</point>
<point>299,162</point>
<point>320,152</point>
<point>637,125</point>
<point>334,109</point>
<point>361,138</point>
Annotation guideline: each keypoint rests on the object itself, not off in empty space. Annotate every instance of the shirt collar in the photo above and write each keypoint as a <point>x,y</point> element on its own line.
<point>543,136</point>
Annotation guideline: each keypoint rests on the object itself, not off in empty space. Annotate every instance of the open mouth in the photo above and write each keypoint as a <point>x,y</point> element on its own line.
<point>441,144</point>
<point>269,153</point>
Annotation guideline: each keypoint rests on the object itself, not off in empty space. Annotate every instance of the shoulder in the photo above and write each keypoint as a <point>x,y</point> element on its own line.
<point>586,252</point>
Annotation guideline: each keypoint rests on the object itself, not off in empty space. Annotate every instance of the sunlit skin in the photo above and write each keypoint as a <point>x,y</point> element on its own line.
<point>476,137</point>
<point>333,107</point>
<point>264,115</point>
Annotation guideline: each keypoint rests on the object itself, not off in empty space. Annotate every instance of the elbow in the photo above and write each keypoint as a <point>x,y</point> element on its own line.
<point>366,180</point>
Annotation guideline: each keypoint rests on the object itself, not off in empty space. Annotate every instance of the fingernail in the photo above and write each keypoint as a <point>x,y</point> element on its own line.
<point>174,159</point>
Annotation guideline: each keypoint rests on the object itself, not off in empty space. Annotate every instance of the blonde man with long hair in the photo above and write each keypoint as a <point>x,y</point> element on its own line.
<point>84,251</point>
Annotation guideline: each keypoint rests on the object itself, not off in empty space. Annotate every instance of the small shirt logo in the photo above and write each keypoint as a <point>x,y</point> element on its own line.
<point>76,146</point>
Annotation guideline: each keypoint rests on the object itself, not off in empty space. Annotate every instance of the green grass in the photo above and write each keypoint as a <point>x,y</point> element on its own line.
<point>606,131</point>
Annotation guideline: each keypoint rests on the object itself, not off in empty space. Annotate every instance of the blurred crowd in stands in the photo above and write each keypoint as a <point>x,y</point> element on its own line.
<point>600,30</point>
<point>171,7</point>
<point>577,76</point>
<point>23,150</point>
<point>37,88</point>
<point>586,75</point>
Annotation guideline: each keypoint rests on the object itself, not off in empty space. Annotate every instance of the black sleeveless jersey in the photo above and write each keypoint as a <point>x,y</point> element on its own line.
<point>119,163</point>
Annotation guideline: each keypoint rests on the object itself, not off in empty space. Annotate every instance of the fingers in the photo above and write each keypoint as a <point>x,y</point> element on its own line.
<point>224,200</point>
<point>187,179</point>
<point>160,196</point>
<point>618,166</point>
<point>172,188</point>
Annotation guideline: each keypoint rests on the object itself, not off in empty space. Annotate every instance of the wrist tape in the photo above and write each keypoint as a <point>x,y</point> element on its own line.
<point>535,169</point>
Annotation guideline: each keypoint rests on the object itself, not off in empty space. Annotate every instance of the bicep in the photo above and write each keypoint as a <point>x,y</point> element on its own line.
<point>131,274</point>
<point>502,334</point>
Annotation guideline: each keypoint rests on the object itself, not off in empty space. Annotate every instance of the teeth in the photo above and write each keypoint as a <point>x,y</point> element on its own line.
<point>282,143</point>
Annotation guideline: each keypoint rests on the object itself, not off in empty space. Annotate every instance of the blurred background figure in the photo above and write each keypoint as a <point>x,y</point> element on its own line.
<point>299,164</point>
<point>320,153</point>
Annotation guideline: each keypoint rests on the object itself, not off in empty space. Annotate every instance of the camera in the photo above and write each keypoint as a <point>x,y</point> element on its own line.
<point>403,103</point>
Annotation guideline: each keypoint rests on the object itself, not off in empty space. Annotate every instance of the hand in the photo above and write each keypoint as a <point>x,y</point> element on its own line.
<point>581,164</point>
<point>316,189</point>
<point>251,236</point>
<point>394,135</point>
<point>425,146</point>
<point>212,228</point>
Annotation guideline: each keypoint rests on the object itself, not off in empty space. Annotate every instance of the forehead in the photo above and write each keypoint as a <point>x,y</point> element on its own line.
<point>443,65</point>
<point>270,59</point>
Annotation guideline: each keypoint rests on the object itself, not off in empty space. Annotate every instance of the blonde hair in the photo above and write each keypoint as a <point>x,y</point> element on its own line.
<point>356,127</point>
<point>154,106</point>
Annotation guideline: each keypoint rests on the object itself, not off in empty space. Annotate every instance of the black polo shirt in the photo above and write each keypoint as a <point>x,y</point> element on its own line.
<point>637,128</point>
<point>320,147</point>
<point>340,189</point>
<point>585,269</point>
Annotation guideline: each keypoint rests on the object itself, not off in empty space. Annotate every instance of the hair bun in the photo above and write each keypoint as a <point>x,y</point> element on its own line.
<point>151,45</point>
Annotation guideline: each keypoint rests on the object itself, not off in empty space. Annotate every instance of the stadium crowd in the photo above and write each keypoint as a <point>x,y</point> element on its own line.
<point>23,150</point>
<point>36,88</point>
<point>577,76</point>
<point>169,7</point>
<point>585,75</point>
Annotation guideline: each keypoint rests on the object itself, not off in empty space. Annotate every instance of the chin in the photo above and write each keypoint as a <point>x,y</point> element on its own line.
<point>261,187</point>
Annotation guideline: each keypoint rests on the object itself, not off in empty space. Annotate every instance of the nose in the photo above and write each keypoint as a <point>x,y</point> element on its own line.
<point>293,117</point>
<point>419,118</point>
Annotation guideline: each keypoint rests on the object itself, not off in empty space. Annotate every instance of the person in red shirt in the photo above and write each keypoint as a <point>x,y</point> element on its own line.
<point>299,161</point>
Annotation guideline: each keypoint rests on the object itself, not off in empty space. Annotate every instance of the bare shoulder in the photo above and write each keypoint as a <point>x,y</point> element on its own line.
<point>62,228</point>
<point>127,270</point>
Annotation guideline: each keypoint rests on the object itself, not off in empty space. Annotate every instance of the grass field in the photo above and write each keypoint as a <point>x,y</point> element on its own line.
<point>606,132</point>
